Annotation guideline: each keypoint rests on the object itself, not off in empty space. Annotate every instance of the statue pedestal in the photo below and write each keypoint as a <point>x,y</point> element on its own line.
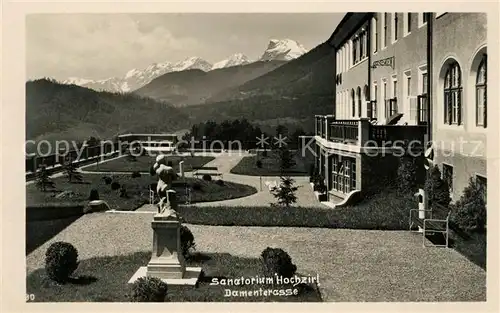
<point>167,260</point>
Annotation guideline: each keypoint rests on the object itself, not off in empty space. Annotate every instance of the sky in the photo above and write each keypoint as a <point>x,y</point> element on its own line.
<point>99,46</point>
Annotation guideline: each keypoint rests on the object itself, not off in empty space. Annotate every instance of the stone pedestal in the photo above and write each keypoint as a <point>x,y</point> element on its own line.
<point>166,261</point>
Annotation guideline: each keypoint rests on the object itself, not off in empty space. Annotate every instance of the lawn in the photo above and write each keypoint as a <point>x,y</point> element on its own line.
<point>144,163</point>
<point>382,212</point>
<point>137,191</point>
<point>104,279</point>
<point>270,166</point>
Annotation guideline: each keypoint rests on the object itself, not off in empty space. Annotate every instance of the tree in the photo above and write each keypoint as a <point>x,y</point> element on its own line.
<point>70,170</point>
<point>285,158</point>
<point>436,188</point>
<point>43,179</point>
<point>285,193</point>
<point>470,209</point>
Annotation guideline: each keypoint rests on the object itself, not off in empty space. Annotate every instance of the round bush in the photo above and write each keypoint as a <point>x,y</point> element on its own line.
<point>220,182</point>
<point>258,163</point>
<point>107,180</point>
<point>277,261</point>
<point>94,195</point>
<point>135,174</point>
<point>149,289</point>
<point>207,177</point>
<point>61,260</point>
<point>115,185</point>
<point>187,241</point>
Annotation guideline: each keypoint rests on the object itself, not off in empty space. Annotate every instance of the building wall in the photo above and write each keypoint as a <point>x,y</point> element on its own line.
<point>461,37</point>
<point>353,76</point>
<point>410,52</point>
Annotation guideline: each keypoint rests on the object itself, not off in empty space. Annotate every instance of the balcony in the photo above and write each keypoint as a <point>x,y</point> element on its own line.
<point>362,133</point>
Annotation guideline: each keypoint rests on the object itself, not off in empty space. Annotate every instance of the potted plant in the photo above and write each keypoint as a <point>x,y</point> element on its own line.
<point>322,195</point>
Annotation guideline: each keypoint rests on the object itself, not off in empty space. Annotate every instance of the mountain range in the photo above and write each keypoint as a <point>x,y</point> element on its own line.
<point>278,50</point>
<point>266,93</point>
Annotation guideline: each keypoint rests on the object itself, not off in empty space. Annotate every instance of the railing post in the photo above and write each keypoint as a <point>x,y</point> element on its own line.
<point>363,131</point>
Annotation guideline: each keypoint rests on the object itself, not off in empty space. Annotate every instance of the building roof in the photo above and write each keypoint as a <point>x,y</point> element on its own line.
<point>349,24</point>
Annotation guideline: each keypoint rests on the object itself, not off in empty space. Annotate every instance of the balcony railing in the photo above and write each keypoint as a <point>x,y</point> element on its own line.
<point>362,133</point>
<point>344,131</point>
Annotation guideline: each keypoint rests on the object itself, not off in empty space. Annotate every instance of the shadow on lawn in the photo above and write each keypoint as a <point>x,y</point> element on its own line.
<point>105,279</point>
<point>39,232</point>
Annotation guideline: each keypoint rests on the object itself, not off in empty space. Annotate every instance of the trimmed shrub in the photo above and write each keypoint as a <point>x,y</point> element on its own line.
<point>277,261</point>
<point>94,195</point>
<point>135,174</point>
<point>149,289</point>
<point>220,182</point>
<point>196,186</point>
<point>107,180</point>
<point>61,260</point>
<point>115,185</point>
<point>469,212</point>
<point>437,189</point>
<point>187,241</point>
<point>258,163</point>
<point>207,177</point>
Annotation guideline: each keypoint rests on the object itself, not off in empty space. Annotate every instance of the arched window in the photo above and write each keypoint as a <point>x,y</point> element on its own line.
<point>353,103</point>
<point>359,101</point>
<point>453,94</point>
<point>481,93</point>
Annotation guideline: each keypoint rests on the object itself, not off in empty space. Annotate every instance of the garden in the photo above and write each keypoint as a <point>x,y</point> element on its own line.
<point>271,163</point>
<point>143,163</point>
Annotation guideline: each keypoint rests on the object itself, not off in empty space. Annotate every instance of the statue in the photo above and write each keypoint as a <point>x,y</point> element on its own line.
<point>166,176</point>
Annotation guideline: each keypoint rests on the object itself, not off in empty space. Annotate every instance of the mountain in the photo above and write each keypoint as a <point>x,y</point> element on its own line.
<point>234,60</point>
<point>277,50</point>
<point>311,73</point>
<point>293,92</point>
<point>136,78</point>
<point>57,111</point>
<point>192,87</point>
<point>284,50</point>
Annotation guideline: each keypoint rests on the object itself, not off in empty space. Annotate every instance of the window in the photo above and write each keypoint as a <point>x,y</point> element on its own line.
<point>375,36</point>
<point>408,86</point>
<point>448,175</point>
<point>354,51</point>
<point>482,184</point>
<point>481,100</point>
<point>353,103</point>
<point>453,95</point>
<point>408,22</point>
<point>385,30</point>
<point>395,26</point>
<point>359,101</point>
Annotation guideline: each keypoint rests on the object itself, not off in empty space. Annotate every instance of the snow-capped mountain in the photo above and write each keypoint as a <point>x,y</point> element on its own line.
<point>192,63</point>
<point>136,78</point>
<point>234,60</point>
<point>283,50</point>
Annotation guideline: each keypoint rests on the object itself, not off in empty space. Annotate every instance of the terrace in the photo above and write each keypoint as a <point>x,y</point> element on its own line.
<point>362,133</point>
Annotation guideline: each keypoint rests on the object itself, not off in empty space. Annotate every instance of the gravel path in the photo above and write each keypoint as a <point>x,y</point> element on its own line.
<point>353,265</point>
